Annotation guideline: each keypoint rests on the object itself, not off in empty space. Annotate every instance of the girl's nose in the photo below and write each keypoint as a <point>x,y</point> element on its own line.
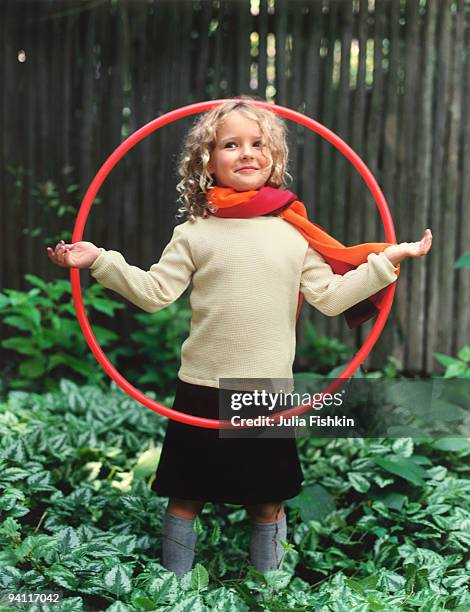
<point>247,151</point>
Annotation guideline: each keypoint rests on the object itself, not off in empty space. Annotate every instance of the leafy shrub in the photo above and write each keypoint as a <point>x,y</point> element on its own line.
<point>52,345</point>
<point>52,338</point>
<point>57,199</point>
<point>154,350</point>
<point>456,367</point>
<point>320,353</point>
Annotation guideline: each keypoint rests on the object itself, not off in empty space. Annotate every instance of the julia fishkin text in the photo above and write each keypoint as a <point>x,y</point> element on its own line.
<point>314,420</point>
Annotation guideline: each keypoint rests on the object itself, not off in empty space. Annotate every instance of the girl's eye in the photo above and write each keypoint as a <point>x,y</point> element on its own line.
<point>258,143</point>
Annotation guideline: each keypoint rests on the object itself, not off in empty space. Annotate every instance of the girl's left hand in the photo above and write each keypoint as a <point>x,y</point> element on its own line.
<point>398,252</point>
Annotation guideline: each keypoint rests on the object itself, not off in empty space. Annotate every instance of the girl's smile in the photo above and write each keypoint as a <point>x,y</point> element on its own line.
<point>240,159</point>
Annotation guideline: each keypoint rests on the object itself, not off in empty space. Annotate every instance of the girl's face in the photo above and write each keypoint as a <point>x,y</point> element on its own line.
<point>239,159</point>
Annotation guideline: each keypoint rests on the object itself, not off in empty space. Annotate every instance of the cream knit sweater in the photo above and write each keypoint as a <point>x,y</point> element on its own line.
<point>246,275</point>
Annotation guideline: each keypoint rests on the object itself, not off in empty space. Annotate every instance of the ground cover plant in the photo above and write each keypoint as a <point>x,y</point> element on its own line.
<point>380,524</point>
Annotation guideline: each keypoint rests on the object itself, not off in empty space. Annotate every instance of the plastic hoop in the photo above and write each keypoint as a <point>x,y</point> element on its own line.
<point>99,179</point>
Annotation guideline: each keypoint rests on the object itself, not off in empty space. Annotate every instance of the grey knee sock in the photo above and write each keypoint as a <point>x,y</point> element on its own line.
<point>265,548</point>
<point>178,543</point>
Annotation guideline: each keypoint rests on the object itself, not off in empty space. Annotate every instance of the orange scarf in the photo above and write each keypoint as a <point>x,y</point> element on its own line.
<point>229,203</point>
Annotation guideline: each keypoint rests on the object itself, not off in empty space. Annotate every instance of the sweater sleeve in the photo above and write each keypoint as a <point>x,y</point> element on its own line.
<point>333,293</point>
<point>153,289</point>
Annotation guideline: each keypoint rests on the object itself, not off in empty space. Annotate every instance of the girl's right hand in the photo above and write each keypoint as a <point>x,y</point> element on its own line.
<point>78,255</point>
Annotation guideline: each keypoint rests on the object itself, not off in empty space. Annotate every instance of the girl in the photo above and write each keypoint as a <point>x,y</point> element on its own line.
<point>247,248</point>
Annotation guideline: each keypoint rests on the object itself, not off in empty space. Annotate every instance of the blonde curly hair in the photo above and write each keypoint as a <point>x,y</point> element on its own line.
<point>199,142</point>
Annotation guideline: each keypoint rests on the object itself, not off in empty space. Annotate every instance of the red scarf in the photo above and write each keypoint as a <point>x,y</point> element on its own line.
<point>245,204</point>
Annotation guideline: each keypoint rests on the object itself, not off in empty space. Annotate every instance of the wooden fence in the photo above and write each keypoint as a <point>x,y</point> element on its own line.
<point>391,77</point>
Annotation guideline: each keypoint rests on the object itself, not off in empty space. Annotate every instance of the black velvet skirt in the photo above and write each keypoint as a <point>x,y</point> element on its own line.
<point>196,464</point>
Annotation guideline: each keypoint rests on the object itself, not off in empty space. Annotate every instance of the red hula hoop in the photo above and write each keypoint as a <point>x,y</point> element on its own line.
<point>99,179</point>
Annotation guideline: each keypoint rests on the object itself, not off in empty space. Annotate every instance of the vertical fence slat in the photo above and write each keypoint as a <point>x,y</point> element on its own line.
<point>407,196</point>
<point>356,118</point>
<point>312,142</point>
<point>14,73</point>
<point>463,276</point>
<point>295,96</point>
<point>327,114</point>
<point>130,201</point>
<point>220,74</point>
<point>4,59</point>
<point>281,8</point>
<point>374,143</point>
<point>421,204</point>
<point>443,44</point>
<point>262,48</point>
<point>115,106</point>
<point>243,62</point>
<point>100,213</point>
<point>339,202</point>
<point>32,217</point>
<point>449,253</point>
<point>311,78</point>
<point>147,104</point>
<point>310,160</point>
<point>205,12</point>
<point>392,336</point>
